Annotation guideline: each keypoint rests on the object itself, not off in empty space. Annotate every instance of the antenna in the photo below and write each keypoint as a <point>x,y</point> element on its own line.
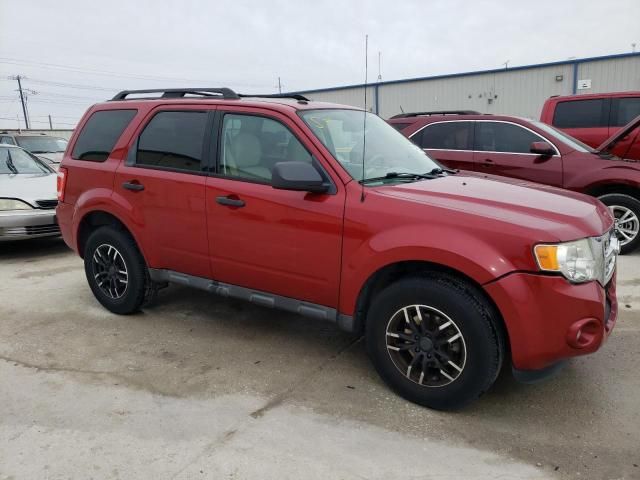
<point>364,128</point>
<point>379,66</point>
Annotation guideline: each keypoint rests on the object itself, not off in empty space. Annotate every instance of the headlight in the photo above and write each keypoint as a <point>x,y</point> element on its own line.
<point>575,260</point>
<point>11,204</point>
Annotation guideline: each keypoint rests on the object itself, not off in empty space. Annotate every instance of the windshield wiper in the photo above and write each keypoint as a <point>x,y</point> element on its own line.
<point>440,171</point>
<point>401,175</point>
<point>10,164</point>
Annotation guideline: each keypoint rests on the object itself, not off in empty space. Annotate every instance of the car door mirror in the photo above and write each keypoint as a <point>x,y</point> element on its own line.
<point>299,176</point>
<point>542,148</point>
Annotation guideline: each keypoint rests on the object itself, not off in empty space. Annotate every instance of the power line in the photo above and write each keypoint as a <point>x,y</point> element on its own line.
<point>71,68</point>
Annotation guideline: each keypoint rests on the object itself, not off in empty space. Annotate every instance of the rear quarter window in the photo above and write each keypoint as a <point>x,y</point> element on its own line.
<point>581,114</point>
<point>100,134</point>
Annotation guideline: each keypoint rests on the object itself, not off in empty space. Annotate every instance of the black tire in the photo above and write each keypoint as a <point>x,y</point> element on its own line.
<point>630,203</point>
<point>138,285</point>
<point>483,342</point>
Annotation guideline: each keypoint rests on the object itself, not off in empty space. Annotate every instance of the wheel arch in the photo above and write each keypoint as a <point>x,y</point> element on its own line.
<point>98,218</point>
<point>600,189</point>
<point>392,272</point>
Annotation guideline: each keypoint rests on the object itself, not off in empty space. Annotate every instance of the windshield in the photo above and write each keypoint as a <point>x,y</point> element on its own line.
<point>17,161</point>
<point>563,137</point>
<point>386,152</point>
<point>42,144</point>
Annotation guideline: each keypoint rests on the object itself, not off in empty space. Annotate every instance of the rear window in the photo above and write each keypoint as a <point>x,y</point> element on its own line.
<point>445,136</point>
<point>173,141</point>
<point>100,134</point>
<point>580,114</point>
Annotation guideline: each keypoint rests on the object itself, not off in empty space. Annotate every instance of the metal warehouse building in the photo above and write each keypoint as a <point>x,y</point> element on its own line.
<point>513,91</point>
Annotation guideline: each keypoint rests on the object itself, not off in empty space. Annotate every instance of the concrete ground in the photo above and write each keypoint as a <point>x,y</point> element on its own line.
<point>202,387</point>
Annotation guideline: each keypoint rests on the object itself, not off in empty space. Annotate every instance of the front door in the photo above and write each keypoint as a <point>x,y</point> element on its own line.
<point>284,242</point>
<point>504,148</point>
<point>163,182</point>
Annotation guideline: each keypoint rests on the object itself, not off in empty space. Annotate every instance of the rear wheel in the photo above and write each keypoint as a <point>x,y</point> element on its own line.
<point>115,270</point>
<point>626,210</point>
<point>434,341</point>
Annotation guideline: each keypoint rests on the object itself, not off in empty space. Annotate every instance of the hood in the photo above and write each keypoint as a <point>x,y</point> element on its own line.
<point>29,187</point>
<point>546,213</point>
<point>613,140</point>
<point>51,157</point>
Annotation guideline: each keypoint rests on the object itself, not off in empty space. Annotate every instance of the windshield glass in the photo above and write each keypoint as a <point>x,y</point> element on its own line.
<point>386,150</point>
<point>16,161</point>
<point>563,137</point>
<point>42,144</point>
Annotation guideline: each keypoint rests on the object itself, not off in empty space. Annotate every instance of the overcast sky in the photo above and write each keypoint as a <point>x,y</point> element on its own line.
<point>111,45</point>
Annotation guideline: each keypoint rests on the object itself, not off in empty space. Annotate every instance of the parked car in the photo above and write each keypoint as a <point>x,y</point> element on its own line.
<point>277,201</point>
<point>537,152</point>
<point>27,196</point>
<point>593,118</point>
<point>47,148</point>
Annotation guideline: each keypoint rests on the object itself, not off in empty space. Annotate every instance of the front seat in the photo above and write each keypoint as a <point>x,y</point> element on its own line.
<point>247,156</point>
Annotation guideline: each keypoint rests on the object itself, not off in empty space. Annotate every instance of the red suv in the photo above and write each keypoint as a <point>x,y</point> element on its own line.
<point>327,211</point>
<point>594,118</point>
<point>534,151</point>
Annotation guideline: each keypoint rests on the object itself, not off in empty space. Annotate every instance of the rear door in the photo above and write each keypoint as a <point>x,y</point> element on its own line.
<point>449,142</point>
<point>587,120</point>
<point>623,110</point>
<point>163,182</point>
<point>504,148</point>
<point>284,242</point>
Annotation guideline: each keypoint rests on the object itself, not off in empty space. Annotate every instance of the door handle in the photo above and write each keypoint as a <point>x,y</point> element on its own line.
<point>487,163</point>
<point>134,186</point>
<point>230,202</point>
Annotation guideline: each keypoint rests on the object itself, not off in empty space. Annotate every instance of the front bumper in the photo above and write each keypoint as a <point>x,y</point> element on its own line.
<point>24,224</point>
<point>549,319</point>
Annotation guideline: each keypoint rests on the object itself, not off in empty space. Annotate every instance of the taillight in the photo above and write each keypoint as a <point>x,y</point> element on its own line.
<point>61,183</point>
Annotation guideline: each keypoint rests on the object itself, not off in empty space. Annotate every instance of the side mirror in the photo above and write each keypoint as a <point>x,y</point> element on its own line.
<point>542,148</point>
<point>299,176</point>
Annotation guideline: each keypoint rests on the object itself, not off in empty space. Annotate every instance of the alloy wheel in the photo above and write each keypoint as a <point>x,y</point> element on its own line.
<point>627,223</point>
<point>426,345</point>
<point>110,271</point>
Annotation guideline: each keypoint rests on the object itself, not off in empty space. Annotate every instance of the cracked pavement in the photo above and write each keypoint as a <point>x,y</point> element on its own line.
<point>198,386</point>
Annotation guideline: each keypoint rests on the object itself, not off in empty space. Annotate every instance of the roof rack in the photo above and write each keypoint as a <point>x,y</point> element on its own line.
<point>225,93</point>
<point>440,112</point>
<point>295,96</point>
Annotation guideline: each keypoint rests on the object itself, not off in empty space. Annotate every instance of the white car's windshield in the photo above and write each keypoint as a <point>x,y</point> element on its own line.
<point>388,155</point>
<point>14,161</point>
<point>42,144</point>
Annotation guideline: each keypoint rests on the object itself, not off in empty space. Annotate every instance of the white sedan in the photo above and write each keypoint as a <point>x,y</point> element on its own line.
<point>27,196</point>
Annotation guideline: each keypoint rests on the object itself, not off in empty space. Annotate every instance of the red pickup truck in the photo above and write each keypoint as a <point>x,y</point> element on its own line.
<point>327,211</point>
<point>593,118</point>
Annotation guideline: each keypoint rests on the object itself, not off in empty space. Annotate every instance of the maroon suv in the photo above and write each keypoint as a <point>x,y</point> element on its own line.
<point>534,151</point>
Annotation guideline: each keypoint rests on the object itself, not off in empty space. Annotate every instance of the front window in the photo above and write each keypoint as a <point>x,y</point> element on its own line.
<point>42,144</point>
<point>14,161</point>
<point>385,151</point>
<point>563,137</point>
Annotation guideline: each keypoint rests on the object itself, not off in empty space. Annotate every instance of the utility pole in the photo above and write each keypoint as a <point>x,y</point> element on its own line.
<point>22,99</point>
<point>50,123</point>
<point>279,86</point>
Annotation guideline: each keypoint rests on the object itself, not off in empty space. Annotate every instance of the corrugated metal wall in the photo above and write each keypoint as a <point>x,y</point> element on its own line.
<point>517,91</point>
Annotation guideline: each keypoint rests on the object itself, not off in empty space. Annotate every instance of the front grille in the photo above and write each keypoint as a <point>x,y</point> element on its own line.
<point>35,230</point>
<point>48,204</point>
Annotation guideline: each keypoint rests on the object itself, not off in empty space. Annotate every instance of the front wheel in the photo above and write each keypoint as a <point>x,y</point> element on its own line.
<point>433,340</point>
<point>626,211</point>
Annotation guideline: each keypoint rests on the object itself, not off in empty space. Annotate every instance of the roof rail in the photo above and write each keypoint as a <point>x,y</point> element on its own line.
<point>440,112</point>
<point>295,96</point>
<point>225,93</point>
